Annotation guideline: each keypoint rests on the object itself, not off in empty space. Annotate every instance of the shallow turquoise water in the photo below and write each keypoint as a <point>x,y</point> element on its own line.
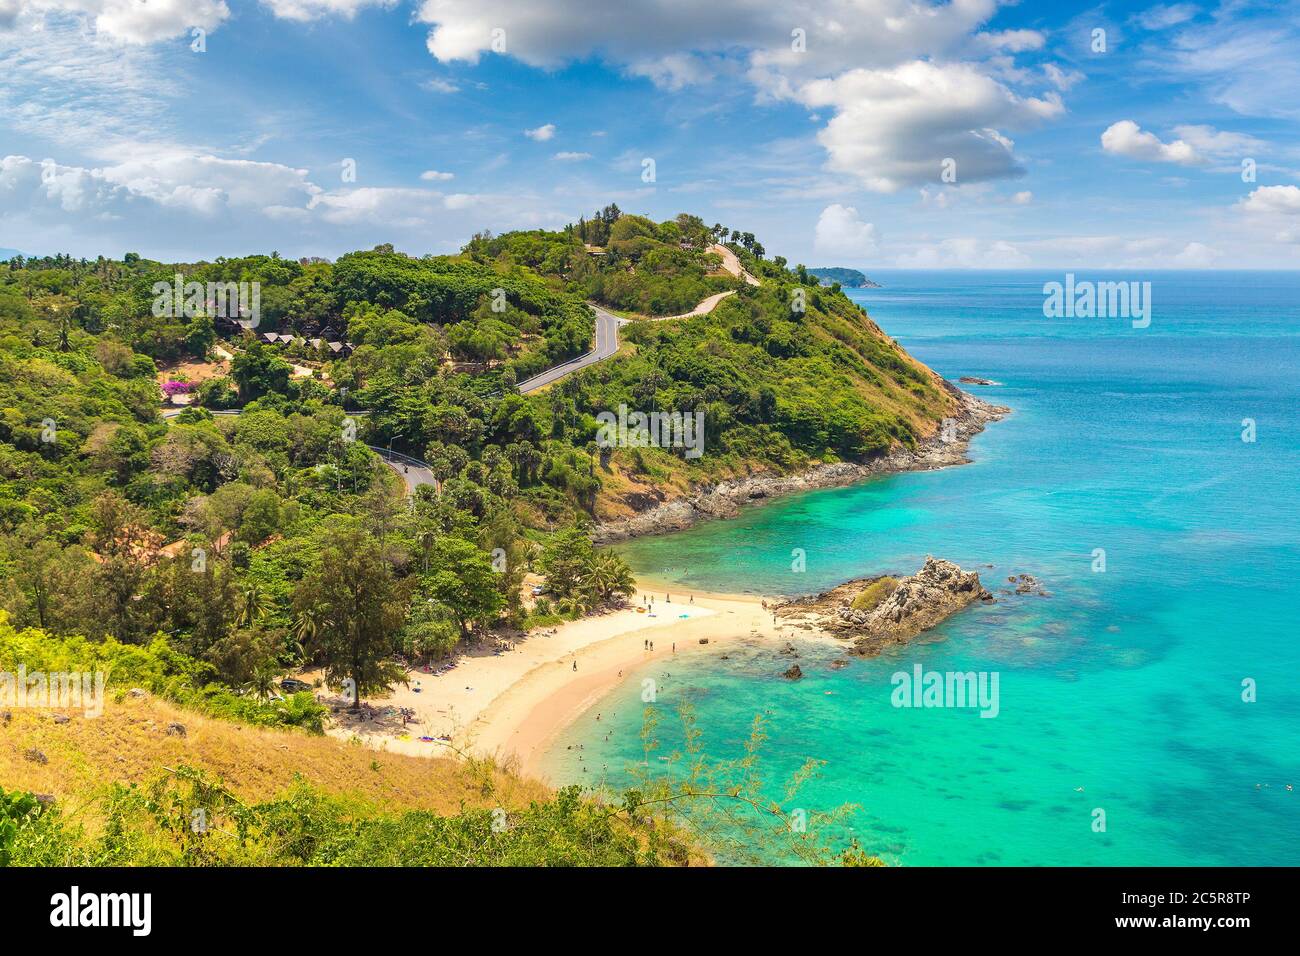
<point>1126,683</point>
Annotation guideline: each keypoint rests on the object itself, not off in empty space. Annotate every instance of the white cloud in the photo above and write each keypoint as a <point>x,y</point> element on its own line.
<point>542,133</point>
<point>896,127</point>
<point>433,175</point>
<point>127,21</point>
<point>939,198</point>
<point>674,44</point>
<point>1247,62</point>
<point>161,196</point>
<point>1122,252</point>
<point>437,85</point>
<point>1060,78</point>
<point>674,71</point>
<point>910,82</point>
<point>68,85</point>
<point>1219,143</point>
<point>1165,15</point>
<point>200,184</point>
<point>841,233</point>
<point>1195,144</point>
<point>1196,255</point>
<point>1273,201</point>
<point>569,157</point>
<point>304,10</point>
<point>1023,198</point>
<point>965,253</point>
<point>1012,41</point>
<point>1126,138</point>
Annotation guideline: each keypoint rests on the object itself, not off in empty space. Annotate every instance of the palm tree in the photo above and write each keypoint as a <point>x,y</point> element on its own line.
<point>262,684</point>
<point>609,575</point>
<point>425,540</point>
<point>575,605</point>
<point>305,628</point>
<point>253,606</point>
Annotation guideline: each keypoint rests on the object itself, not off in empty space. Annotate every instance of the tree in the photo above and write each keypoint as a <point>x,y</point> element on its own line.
<point>119,533</point>
<point>464,581</point>
<point>199,601</point>
<point>610,576</point>
<point>259,371</point>
<point>306,626</point>
<point>261,518</point>
<point>262,682</point>
<point>566,561</point>
<point>253,606</point>
<point>362,605</point>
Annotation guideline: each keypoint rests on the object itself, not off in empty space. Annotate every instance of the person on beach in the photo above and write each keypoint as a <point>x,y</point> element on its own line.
<point>575,666</point>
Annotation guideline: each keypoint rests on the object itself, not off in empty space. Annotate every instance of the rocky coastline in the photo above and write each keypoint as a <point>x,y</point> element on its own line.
<point>945,448</point>
<point>875,613</point>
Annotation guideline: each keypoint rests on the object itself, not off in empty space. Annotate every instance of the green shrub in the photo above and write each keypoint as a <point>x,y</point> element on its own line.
<point>156,667</point>
<point>875,592</point>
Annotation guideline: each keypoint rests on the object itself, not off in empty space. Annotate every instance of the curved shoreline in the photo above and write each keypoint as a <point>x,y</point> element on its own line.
<point>515,704</point>
<point>945,448</point>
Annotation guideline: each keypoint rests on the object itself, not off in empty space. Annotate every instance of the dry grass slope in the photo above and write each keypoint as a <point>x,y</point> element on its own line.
<point>129,743</point>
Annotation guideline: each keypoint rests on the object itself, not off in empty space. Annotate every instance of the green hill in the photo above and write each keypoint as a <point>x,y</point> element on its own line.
<point>235,548</point>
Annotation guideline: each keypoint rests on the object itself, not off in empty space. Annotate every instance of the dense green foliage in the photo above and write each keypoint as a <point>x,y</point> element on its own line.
<point>156,667</point>
<point>208,555</point>
<point>153,826</point>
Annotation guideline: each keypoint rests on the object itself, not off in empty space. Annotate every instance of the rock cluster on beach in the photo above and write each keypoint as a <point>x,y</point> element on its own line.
<point>910,605</point>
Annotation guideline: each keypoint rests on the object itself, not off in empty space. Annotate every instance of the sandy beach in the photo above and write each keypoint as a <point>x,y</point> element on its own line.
<point>514,703</point>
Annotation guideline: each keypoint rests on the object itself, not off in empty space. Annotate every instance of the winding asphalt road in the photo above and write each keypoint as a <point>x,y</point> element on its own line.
<point>413,471</point>
<point>606,345</point>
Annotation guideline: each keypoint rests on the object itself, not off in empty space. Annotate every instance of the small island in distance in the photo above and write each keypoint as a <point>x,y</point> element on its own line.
<point>849,278</point>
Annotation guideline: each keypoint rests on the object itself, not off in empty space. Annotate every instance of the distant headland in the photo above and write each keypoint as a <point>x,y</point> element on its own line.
<point>848,278</point>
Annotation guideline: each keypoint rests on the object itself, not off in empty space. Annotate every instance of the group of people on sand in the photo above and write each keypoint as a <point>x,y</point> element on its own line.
<point>648,600</point>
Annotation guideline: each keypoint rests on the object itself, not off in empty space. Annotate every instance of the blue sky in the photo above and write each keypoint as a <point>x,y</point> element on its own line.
<point>824,127</point>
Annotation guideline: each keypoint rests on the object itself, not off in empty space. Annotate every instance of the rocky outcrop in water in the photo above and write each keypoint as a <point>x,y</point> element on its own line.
<point>938,590</point>
<point>896,613</point>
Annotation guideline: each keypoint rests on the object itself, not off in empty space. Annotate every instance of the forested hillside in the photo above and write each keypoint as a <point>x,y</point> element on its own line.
<point>105,506</point>
<point>212,553</point>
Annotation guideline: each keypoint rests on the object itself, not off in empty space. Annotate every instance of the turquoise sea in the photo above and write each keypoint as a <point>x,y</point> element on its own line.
<point>1127,682</point>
